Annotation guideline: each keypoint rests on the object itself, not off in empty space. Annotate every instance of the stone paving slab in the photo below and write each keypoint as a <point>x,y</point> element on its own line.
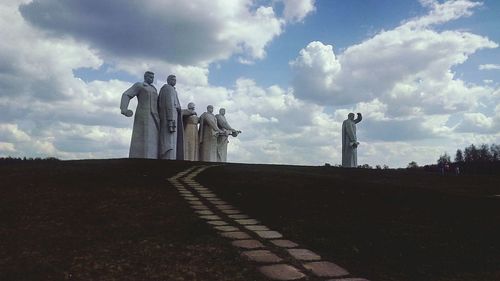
<point>269,234</point>
<point>284,243</point>
<point>210,217</point>
<point>247,221</point>
<point>196,202</point>
<point>208,195</point>
<point>217,222</point>
<point>199,207</point>
<point>326,269</point>
<point>281,272</point>
<point>349,279</point>
<point>303,254</point>
<point>239,216</point>
<point>226,228</point>
<point>248,244</point>
<point>230,212</point>
<point>256,227</point>
<point>262,256</point>
<point>205,192</point>
<point>217,201</point>
<point>235,235</point>
<point>224,207</point>
<point>204,212</point>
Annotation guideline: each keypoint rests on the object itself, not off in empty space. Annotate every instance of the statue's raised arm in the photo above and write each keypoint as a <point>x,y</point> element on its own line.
<point>358,118</point>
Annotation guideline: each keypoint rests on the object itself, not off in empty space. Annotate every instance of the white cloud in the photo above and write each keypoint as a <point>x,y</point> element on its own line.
<point>12,133</point>
<point>489,66</point>
<point>480,123</point>
<point>408,70</point>
<point>315,67</point>
<point>443,12</point>
<point>297,10</point>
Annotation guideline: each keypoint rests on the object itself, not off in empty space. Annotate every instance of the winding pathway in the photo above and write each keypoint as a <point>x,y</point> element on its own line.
<point>276,257</point>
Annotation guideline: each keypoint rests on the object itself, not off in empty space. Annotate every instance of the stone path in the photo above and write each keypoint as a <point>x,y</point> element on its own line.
<point>275,257</point>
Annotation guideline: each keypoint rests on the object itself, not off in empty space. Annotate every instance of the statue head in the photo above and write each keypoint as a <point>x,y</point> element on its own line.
<point>171,80</point>
<point>350,116</point>
<point>191,105</point>
<point>149,77</point>
<point>210,108</point>
<point>222,111</point>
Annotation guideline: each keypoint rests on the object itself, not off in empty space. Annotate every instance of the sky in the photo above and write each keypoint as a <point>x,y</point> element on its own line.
<point>425,74</point>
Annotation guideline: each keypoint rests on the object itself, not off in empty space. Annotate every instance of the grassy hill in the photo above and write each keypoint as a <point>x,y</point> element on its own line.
<point>121,220</point>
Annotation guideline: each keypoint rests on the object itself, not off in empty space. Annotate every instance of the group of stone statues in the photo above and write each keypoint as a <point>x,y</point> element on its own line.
<point>163,130</point>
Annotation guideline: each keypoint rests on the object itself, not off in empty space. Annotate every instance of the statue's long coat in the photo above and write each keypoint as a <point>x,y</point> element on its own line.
<point>222,140</point>
<point>144,143</point>
<point>208,137</point>
<point>191,142</point>
<point>349,153</point>
<point>169,109</point>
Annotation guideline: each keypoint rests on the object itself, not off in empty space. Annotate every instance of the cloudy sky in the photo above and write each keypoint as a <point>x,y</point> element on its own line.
<point>425,74</point>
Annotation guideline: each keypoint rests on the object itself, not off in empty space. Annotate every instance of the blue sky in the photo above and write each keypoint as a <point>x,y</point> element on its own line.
<point>425,74</point>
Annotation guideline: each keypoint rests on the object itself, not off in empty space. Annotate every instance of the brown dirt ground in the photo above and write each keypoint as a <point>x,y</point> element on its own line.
<point>121,220</point>
<point>106,220</point>
<point>379,224</point>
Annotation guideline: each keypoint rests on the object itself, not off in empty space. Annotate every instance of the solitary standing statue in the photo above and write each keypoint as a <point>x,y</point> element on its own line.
<point>349,141</point>
<point>144,143</point>
<point>208,135</point>
<point>191,141</point>
<point>222,139</point>
<point>171,128</point>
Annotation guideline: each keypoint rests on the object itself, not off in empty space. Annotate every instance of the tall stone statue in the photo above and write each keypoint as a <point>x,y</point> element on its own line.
<point>171,128</point>
<point>349,141</point>
<point>191,141</point>
<point>222,139</point>
<point>208,135</point>
<point>144,143</point>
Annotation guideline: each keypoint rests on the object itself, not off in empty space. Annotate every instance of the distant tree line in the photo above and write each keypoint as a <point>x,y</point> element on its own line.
<point>7,160</point>
<point>482,159</point>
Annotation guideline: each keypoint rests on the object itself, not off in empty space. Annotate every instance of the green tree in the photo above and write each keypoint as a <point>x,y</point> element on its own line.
<point>412,165</point>
<point>495,152</point>
<point>459,156</point>
<point>444,159</point>
<point>484,153</point>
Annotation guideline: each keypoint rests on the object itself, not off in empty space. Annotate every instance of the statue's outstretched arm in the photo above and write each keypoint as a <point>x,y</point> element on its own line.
<point>222,123</point>
<point>358,119</point>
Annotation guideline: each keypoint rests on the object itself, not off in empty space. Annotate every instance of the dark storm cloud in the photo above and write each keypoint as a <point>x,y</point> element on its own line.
<point>131,28</point>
